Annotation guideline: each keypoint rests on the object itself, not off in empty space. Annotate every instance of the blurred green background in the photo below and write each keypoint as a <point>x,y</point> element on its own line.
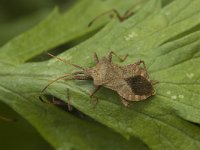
<point>17,16</point>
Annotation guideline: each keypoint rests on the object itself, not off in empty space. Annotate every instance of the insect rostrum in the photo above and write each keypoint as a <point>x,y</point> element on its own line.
<point>131,82</point>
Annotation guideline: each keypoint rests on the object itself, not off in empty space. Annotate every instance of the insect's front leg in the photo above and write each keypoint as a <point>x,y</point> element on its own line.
<point>96,88</point>
<point>113,53</point>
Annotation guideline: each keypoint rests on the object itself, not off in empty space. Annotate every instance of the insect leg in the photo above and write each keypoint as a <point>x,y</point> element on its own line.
<point>121,18</point>
<point>125,102</point>
<point>106,13</point>
<point>68,99</point>
<point>154,82</point>
<point>96,88</point>
<point>141,62</point>
<point>145,68</point>
<point>96,57</point>
<point>81,77</point>
<point>7,119</point>
<point>58,102</point>
<point>66,77</point>
<point>113,53</point>
<point>54,101</point>
<point>62,77</point>
<point>61,103</point>
<point>128,13</point>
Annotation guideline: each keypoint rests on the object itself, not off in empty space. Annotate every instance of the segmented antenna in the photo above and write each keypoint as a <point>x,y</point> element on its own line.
<point>59,78</point>
<point>66,62</point>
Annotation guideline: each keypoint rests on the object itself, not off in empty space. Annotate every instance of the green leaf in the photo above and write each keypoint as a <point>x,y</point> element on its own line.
<point>63,130</point>
<point>10,132</point>
<point>167,39</point>
<point>10,29</point>
<point>73,132</point>
<point>58,29</point>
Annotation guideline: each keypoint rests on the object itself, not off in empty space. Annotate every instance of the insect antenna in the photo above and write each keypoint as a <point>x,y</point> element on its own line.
<point>59,78</point>
<point>63,77</point>
<point>74,76</point>
<point>66,62</point>
<point>154,82</point>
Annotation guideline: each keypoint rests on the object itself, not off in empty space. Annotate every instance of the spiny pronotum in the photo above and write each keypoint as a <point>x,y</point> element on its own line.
<point>131,82</point>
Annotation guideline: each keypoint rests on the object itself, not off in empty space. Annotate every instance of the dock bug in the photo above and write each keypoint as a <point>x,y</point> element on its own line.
<point>131,82</point>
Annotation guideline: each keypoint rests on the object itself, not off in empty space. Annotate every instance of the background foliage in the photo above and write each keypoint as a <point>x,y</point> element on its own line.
<point>163,33</point>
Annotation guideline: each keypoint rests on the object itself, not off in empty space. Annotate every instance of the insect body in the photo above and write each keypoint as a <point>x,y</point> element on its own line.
<point>131,82</point>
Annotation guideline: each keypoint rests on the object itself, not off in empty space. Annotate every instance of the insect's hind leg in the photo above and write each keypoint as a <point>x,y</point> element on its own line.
<point>144,65</point>
<point>7,119</point>
<point>125,102</point>
<point>106,13</point>
<point>113,53</point>
<point>61,103</point>
<point>96,58</point>
<point>53,101</point>
<point>77,76</point>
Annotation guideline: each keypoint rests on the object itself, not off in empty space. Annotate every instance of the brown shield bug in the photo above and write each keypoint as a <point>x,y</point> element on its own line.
<point>131,82</point>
